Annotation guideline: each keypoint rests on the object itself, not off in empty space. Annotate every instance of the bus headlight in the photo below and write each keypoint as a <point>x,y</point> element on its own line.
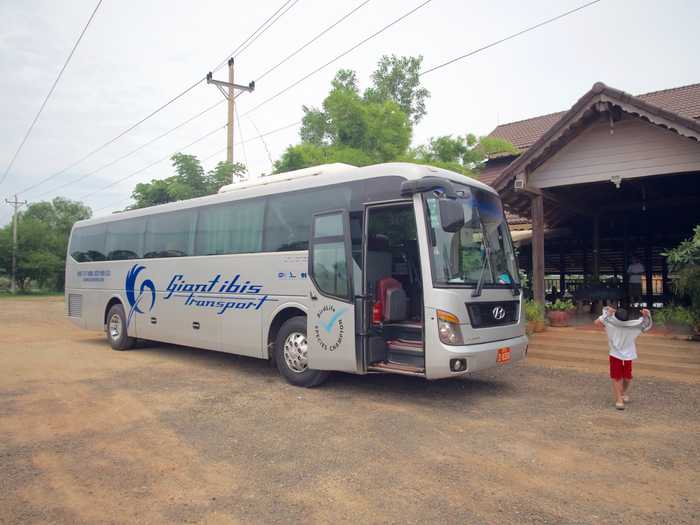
<point>448,328</point>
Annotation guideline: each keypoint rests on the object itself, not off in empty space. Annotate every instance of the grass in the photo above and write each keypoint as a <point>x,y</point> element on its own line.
<point>30,295</point>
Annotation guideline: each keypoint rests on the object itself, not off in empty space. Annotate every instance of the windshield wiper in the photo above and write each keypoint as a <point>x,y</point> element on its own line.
<point>480,282</point>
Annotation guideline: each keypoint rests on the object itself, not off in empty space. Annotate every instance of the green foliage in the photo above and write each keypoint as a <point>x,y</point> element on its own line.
<point>42,241</point>
<point>534,311</point>
<point>460,154</point>
<point>675,314</point>
<point>684,261</point>
<point>397,79</point>
<point>562,305</point>
<point>189,181</point>
<point>361,129</point>
<point>376,126</point>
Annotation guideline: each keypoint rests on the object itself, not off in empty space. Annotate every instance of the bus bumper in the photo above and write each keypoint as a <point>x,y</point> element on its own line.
<point>444,359</point>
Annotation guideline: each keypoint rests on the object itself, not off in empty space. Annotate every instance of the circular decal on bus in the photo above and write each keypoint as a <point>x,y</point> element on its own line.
<point>329,329</point>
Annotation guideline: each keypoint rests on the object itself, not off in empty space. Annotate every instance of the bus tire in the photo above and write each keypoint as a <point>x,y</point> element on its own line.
<point>116,329</point>
<point>290,354</point>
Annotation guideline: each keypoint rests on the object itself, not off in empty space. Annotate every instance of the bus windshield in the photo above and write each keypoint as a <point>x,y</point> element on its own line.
<point>480,251</point>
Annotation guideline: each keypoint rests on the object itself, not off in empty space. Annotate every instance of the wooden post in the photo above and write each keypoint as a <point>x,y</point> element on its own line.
<point>562,268</point>
<point>537,211</point>
<point>649,273</point>
<point>231,107</point>
<point>664,279</point>
<point>596,247</point>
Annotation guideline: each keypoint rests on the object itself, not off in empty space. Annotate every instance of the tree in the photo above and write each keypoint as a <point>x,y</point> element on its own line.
<point>189,181</point>
<point>684,261</point>
<point>349,128</point>
<point>398,79</point>
<point>461,154</point>
<point>42,241</point>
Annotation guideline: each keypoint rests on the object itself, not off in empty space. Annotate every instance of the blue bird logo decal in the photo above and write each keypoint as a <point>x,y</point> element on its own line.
<point>130,288</point>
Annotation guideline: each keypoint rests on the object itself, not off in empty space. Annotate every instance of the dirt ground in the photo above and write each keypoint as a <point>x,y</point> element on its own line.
<point>166,434</point>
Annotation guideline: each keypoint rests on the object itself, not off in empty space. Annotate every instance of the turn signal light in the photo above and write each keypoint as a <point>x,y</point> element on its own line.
<point>448,328</point>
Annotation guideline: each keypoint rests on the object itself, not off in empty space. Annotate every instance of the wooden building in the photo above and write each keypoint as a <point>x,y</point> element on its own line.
<point>616,176</point>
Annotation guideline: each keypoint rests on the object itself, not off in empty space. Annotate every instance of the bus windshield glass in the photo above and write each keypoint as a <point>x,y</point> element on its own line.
<point>480,251</point>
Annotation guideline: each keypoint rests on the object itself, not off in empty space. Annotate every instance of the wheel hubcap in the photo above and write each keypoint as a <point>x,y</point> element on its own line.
<point>295,349</point>
<point>115,327</point>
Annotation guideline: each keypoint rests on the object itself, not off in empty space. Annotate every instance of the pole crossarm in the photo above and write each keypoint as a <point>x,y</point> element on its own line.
<point>221,83</point>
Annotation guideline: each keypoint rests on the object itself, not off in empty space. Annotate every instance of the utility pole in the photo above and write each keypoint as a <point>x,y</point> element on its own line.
<point>230,95</point>
<point>15,219</point>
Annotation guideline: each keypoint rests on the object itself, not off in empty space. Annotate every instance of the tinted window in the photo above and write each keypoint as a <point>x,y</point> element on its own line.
<point>329,256</point>
<point>88,243</point>
<point>288,216</point>
<point>170,234</point>
<point>330,268</point>
<point>235,227</point>
<point>125,239</point>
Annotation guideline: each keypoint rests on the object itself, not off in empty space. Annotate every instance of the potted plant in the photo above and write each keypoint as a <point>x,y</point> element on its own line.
<point>534,313</point>
<point>559,312</point>
<point>684,260</point>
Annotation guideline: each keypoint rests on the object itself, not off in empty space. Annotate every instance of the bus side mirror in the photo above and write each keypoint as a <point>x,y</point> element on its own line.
<point>451,215</point>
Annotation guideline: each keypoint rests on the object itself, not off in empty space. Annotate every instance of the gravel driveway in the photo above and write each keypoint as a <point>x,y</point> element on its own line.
<point>166,434</point>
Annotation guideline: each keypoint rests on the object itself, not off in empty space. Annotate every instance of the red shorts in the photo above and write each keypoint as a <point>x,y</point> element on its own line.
<point>620,369</point>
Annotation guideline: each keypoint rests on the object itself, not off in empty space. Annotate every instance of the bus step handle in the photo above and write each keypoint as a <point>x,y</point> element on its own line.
<point>154,320</point>
<point>195,325</point>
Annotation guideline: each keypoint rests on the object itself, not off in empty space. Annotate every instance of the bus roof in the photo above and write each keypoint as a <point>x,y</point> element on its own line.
<point>316,176</point>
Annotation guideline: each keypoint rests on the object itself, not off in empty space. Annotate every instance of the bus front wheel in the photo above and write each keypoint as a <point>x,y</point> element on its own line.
<point>116,329</point>
<point>291,354</point>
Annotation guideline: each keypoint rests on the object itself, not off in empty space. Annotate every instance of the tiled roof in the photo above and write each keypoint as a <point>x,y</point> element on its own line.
<point>684,101</point>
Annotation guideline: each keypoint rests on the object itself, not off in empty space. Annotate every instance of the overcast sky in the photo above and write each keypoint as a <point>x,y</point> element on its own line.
<point>137,54</point>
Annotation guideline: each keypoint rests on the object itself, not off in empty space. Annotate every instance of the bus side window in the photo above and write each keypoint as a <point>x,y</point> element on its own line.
<point>170,234</point>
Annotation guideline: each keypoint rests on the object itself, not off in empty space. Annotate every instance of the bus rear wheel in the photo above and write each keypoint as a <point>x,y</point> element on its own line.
<point>116,329</point>
<point>291,357</point>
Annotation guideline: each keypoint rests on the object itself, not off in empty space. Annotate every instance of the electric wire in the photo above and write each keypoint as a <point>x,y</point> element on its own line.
<point>268,71</point>
<point>126,155</point>
<point>134,173</point>
<point>48,95</point>
<point>338,57</point>
<point>217,152</point>
<point>240,130</point>
<point>319,35</point>
<point>509,37</point>
<point>236,51</point>
<point>150,115</point>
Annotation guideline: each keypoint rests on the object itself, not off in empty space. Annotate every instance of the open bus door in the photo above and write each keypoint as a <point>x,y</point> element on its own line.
<point>332,340</point>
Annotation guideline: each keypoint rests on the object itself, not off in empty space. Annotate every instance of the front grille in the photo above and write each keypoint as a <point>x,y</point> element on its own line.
<point>484,315</point>
<point>75,305</point>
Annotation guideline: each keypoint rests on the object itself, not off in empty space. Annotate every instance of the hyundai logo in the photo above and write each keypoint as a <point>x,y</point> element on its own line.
<point>498,313</point>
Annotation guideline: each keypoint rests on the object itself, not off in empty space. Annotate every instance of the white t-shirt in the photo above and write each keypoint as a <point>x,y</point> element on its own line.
<point>623,334</point>
<point>635,272</point>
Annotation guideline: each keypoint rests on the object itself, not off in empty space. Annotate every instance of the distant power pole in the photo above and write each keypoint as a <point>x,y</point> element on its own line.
<point>230,95</point>
<point>15,218</point>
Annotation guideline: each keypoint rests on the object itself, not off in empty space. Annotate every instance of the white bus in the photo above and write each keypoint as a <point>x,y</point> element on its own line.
<point>393,268</point>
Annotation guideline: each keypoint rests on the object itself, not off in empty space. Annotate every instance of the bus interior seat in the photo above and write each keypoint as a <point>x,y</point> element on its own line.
<point>379,260</point>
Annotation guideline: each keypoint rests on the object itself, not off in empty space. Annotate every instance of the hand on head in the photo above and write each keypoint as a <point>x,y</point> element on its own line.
<point>645,312</point>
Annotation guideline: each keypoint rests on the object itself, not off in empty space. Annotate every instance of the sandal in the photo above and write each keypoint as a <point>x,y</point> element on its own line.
<point>620,405</point>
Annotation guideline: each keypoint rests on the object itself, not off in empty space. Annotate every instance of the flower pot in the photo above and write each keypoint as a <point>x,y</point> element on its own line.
<point>530,327</point>
<point>558,318</point>
<point>540,326</point>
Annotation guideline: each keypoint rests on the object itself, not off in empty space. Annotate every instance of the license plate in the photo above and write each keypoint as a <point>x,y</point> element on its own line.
<point>503,355</point>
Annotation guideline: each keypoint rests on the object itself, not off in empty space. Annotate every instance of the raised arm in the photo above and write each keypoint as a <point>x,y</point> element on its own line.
<point>646,320</point>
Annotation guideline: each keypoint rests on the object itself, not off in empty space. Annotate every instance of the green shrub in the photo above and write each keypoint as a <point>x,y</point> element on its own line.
<point>562,305</point>
<point>675,314</point>
<point>534,311</point>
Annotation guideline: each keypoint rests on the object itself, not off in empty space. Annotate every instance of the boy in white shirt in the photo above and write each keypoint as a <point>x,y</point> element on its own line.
<point>622,334</point>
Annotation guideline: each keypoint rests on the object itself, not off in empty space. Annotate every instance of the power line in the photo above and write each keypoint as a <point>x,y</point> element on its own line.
<point>362,42</point>
<point>154,112</point>
<point>126,155</point>
<point>509,37</point>
<point>48,95</point>
<point>133,173</point>
<point>304,46</point>
<point>237,50</point>
<point>217,152</point>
